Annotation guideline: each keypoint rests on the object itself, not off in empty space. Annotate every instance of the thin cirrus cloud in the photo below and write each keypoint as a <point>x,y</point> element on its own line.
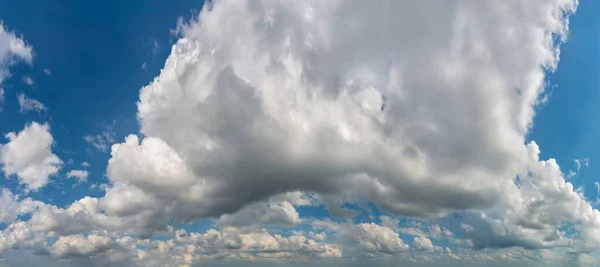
<point>27,104</point>
<point>329,104</point>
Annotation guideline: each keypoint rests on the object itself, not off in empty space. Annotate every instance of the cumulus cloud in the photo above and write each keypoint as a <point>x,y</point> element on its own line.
<point>282,213</point>
<point>80,175</point>
<point>12,49</point>
<point>28,154</point>
<point>11,206</point>
<point>424,244</point>
<point>80,246</point>
<point>417,108</point>
<point>27,104</point>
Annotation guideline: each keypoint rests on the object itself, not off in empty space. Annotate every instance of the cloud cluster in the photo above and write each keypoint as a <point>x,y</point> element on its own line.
<point>421,110</point>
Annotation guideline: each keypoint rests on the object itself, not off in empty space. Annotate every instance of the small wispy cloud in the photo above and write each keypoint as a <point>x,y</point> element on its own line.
<point>585,162</point>
<point>155,46</point>
<point>144,66</point>
<point>103,140</point>
<point>28,80</point>
<point>47,72</point>
<point>1,98</point>
<point>29,104</point>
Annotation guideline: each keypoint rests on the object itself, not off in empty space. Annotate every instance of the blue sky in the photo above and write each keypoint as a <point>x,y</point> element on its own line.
<point>259,119</point>
<point>95,78</point>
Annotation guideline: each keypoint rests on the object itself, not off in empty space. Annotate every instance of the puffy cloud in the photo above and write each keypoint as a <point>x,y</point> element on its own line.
<point>374,238</point>
<point>81,175</point>
<point>282,213</point>
<point>16,234</point>
<point>27,104</point>
<point>363,239</point>
<point>11,206</point>
<point>420,109</point>
<point>28,154</point>
<point>424,244</point>
<point>255,244</point>
<point>12,48</point>
<point>80,246</point>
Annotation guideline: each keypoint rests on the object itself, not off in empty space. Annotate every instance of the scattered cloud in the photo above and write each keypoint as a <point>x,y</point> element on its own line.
<point>144,65</point>
<point>27,104</point>
<point>48,72</point>
<point>80,175</point>
<point>85,164</point>
<point>103,140</point>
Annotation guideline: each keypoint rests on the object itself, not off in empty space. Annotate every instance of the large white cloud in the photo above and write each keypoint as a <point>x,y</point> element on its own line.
<point>28,154</point>
<point>422,109</point>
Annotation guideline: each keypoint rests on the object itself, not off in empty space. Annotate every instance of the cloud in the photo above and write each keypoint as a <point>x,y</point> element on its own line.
<point>48,72</point>
<point>28,80</point>
<point>27,104</point>
<point>28,154</point>
<point>12,50</point>
<point>154,46</point>
<point>16,234</point>
<point>421,110</point>
<point>262,214</point>
<point>1,98</point>
<point>102,141</point>
<point>424,244</point>
<point>80,246</point>
<point>85,164</point>
<point>81,175</point>
<point>414,111</point>
<point>11,206</point>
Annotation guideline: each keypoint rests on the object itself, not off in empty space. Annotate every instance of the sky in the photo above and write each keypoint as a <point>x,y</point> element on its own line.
<point>286,133</point>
